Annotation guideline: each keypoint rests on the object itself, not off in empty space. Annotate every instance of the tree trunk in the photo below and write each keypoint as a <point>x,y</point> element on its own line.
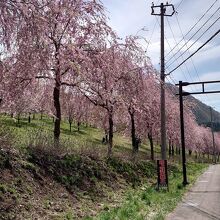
<point>106,136</point>
<point>110,142</point>
<point>169,150</point>
<point>29,118</point>
<point>133,135</point>
<point>78,125</point>
<point>70,123</point>
<point>176,150</point>
<point>172,150</point>
<point>190,152</point>
<point>56,97</point>
<point>41,115</point>
<point>151,146</point>
<point>18,119</point>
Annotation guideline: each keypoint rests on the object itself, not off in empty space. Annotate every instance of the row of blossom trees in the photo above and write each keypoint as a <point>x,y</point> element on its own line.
<point>60,57</point>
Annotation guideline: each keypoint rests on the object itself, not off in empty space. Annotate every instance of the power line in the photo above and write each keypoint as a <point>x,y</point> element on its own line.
<point>194,25</point>
<point>174,82</point>
<point>171,76</point>
<point>152,33</point>
<point>187,69</point>
<point>186,44</point>
<point>183,39</point>
<point>179,4</point>
<point>196,71</point>
<point>149,42</point>
<point>172,79</point>
<point>214,35</point>
<point>192,43</point>
<point>175,41</point>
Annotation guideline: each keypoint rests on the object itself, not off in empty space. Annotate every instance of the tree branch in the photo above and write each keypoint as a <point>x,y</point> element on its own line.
<point>43,77</point>
<point>65,71</point>
<point>69,84</point>
<point>64,30</point>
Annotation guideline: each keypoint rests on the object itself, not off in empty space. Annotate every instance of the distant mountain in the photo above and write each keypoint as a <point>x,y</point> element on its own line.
<point>200,110</point>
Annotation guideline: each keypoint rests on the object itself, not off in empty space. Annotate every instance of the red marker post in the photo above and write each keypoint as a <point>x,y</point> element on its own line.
<point>162,179</point>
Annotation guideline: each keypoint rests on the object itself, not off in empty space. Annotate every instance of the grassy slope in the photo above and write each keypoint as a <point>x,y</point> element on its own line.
<point>147,203</point>
<point>91,185</point>
<point>88,137</point>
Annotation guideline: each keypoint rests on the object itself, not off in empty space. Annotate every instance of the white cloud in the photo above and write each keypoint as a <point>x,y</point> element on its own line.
<point>210,53</point>
<point>129,16</point>
<point>210,76</point>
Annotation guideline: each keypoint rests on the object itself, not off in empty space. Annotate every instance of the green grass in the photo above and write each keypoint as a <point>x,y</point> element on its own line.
<point>25,132</point>
<point>147,203</point>
<point>89,137</point>
<point>141,201</point>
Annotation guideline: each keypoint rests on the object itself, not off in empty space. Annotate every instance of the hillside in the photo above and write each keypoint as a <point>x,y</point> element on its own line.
<point>200,110</point>
<point>77,181</point>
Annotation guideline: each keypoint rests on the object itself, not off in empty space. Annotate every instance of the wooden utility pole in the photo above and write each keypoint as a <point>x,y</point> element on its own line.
<point>162,13</point>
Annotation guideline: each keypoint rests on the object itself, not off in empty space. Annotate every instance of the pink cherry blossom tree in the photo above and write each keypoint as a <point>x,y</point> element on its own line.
<point>135,66</point>
<point>47,40</point>
<point>102,80</point>
<point>75,107</point>
<point>150,109</point>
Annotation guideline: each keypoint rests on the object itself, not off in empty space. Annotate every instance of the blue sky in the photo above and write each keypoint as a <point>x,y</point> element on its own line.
<point>130,16</point>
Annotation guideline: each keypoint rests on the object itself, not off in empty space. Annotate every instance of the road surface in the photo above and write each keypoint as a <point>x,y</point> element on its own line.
<point>203,200</point>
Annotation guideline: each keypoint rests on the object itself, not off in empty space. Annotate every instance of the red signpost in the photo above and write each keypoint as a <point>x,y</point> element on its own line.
<point>162,180</point>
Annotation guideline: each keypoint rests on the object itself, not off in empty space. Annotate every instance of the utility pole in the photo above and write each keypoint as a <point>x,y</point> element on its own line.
<point>213,137</point>
<point>181,84</point>
<point>162,13</point>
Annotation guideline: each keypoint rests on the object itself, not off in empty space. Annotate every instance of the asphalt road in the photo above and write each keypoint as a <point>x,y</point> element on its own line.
<point>203,200</point>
